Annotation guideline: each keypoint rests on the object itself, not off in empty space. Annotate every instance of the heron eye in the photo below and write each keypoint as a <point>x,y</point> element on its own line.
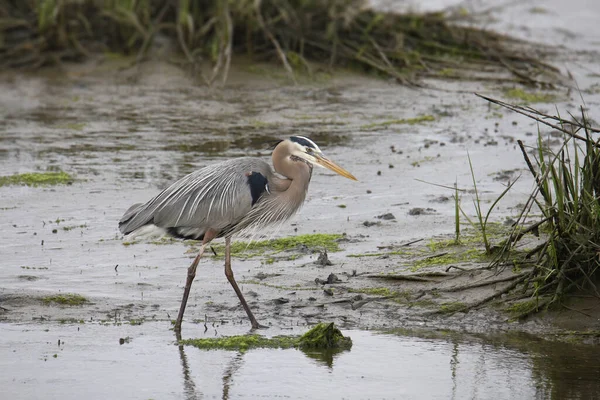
<point>310,150</point>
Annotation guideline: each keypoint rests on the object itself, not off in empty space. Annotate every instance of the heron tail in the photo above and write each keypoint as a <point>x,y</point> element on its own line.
<point>127,224</point>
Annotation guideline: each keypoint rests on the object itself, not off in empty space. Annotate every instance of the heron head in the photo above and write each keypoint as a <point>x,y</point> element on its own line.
<point>308,151</point>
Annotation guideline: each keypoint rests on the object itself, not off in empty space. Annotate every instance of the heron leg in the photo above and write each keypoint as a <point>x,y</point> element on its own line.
<point>231,279</point>
<point>191,274</point>
<point>209,235</point>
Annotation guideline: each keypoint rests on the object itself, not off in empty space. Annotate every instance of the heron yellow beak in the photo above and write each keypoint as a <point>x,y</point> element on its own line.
<point>326,163</point>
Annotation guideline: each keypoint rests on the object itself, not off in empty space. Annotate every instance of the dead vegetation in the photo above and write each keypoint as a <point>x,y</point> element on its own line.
<point>305,36</point>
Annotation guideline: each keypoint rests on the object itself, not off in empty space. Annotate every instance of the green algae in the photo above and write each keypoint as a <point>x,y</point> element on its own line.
<point>471,255</point>
<point>324,336</point>
<point>37,179</point>
<point>523,307</point>
<point>317,241</point>
<point>71,227</point>
<point>452,307</point>
<point>468,248</point>
<point>404,121</point>
<point>374,291</point>
<point>529,97</point>
<point>68,299</point>
<point>64,321</point>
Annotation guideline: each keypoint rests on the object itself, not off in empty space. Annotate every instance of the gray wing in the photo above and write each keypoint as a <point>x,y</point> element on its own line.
<point>217,197</point>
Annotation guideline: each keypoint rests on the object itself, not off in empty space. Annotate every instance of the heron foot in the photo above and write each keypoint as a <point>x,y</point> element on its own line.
<point>256,325</point>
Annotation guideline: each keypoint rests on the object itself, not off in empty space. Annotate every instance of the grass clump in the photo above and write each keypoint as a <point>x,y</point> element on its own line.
<point>321,337</point>
<point>297,33</point>
<point>68,299</point>
<point>567,192</point>
<point>37,179</point>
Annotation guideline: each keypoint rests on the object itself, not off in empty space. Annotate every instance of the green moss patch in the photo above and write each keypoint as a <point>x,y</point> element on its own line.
<point>37,179</point>
<point>321,337</point>
<point>374,291</point>
<point>530,97</point>
<point>68,299</point>
<point>405,121</point>
<point>452,307</point>
<point>523,307</point>
<point>454,257</point>
<point>317,241</point>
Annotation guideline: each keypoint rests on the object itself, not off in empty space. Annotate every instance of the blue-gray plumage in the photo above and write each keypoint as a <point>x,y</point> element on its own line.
<point>215,197</point>
<point>239,196</point>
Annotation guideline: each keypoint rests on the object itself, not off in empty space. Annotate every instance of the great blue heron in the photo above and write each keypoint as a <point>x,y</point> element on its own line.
<point>241,195</point>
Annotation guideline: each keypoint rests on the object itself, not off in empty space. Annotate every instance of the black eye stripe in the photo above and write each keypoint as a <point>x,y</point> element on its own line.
<point>303,141</point>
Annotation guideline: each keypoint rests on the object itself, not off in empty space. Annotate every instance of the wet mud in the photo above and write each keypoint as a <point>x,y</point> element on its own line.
<point>124,134</point>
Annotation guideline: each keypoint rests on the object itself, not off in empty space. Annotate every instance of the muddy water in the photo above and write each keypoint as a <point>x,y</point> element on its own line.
<point>86,361</point>
<point>125,133</point>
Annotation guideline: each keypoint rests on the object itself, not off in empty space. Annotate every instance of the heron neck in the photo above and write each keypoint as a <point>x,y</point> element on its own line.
<point>293,188</point>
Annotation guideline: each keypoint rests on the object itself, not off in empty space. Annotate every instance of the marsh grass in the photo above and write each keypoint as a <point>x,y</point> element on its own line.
<point>482,218</point>
<point>305,36</point>
<point>567,192</point>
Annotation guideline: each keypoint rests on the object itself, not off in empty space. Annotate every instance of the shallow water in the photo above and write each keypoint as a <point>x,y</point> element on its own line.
<point>90,363</point>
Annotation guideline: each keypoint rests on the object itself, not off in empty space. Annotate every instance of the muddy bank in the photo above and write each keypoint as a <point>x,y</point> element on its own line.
<point>122,141</point>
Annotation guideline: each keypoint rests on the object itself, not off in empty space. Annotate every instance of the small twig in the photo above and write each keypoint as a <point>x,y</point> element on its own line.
<point>401,245</point>
<point>434,256</point>
<point>536,250</point>
<point>456,267</point>
<point>415,278</point>
<point>482,283</point>
<point>528,229</point>
<point>576,310</point>
<point>442,186</point>
<point>358,304</point>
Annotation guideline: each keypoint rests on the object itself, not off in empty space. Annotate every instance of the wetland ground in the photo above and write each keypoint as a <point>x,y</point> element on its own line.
<point>75,300</point>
